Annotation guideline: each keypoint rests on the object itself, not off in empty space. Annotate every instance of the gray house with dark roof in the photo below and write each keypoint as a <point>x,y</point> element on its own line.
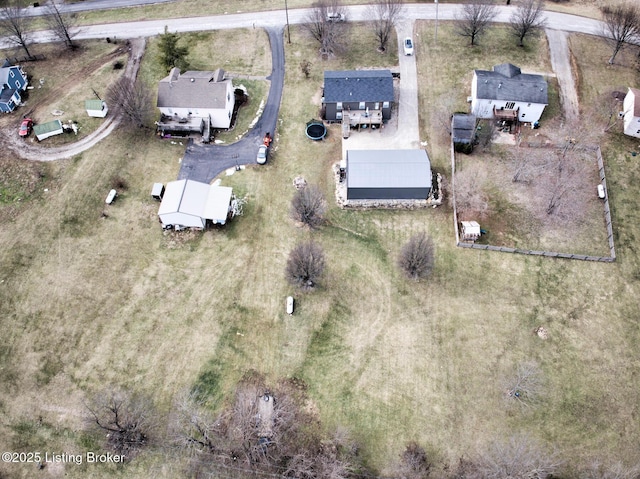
<point>357,91</point>
<point>388,175</point>
<point>507,93</point>
<point>196,97</point>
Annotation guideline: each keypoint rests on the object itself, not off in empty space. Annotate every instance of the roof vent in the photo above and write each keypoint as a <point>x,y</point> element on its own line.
<point>499,85</point>
<point>192,80</point>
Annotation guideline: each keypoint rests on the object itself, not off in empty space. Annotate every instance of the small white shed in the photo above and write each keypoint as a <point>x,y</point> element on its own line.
<point>96,108</point>
<point>190,204</point>
<point>470,230</point>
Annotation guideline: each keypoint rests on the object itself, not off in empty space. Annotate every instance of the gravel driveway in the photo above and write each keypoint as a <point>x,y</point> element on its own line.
<point>561,64</point>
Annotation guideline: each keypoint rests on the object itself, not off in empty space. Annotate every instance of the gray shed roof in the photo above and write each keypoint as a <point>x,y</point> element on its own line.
<point>507,82</point>
<point>358,85</point>
<point>388,169</point>
<point>464,127</point>
<point>193,89</point>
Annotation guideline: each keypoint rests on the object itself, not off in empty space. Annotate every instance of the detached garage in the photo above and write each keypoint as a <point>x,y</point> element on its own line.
<point>388,175</point>
<point>190,204</point>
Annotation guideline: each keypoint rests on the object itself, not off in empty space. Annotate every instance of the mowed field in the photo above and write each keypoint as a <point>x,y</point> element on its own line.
<point>95,296</point>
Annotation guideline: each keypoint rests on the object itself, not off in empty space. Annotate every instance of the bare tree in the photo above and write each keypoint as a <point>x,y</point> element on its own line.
<point>525,385</point>
<point>132,100</point>
<point>471,198</point>
<point>528,19</point>
<point>129,420</point>
<point>621,25</point>
<point>62,25</point>
<point>384,15</point>
<point>308,206</point>
<point>326,23</point>
<point>414,463</point>
<point>474,19</point>
<point>417,256</point>
<point>305,265</point>
<point>15,25</point>
<point>518,457</point>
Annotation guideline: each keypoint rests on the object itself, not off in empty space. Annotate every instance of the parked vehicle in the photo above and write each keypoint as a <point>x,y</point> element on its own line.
<point>335,17</point>
<point>25,127</point>
<point>261,158</point>
<point>408,46</point>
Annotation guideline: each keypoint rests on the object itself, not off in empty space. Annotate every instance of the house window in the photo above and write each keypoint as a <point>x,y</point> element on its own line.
<point>229,115</point>
<point>510,105</point>
<point>228,96</point>
<point>361,105</point>
<point>385,104</point>
<point>339,106</point>
<point>339,115</point>
<point>376,105</point>
<point>11,73</point>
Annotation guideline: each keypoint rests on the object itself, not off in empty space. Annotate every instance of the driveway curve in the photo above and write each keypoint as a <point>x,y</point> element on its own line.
<point>41,153</point>
<point>205,162</point>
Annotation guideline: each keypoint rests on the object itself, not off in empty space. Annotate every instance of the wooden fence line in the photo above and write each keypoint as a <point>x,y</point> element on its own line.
<point>547,254</point>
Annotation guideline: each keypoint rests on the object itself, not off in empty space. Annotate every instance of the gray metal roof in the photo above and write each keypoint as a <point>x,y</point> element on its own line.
<point>464,127</point>
<point>358,85</point>
<point>506,82</point>
<point>388,169</point>
<point>193,90</point>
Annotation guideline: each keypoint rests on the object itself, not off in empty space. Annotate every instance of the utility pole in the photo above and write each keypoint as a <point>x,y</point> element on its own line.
<point>286,10</point>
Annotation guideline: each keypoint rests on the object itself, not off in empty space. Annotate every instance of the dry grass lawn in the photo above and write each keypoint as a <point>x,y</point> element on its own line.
<point>88,300</point>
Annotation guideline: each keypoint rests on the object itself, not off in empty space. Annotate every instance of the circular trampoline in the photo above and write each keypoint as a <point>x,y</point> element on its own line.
<point>316,130</point>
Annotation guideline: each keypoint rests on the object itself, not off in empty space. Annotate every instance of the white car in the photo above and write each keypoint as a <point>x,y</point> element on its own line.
<point>408,46</point>
<point>335,17</point>
<point>261,158</point>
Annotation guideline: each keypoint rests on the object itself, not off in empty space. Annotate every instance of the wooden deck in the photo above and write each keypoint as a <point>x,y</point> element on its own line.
<point>358,119</point>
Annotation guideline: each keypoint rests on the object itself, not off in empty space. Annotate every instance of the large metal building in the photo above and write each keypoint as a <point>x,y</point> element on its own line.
<point>388,175</point>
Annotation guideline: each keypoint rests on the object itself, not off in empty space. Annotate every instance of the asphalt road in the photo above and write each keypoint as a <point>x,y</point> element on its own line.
<point>205,162</point>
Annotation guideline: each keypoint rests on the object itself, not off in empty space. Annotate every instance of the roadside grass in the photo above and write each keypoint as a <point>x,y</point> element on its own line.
<point>114,300</point>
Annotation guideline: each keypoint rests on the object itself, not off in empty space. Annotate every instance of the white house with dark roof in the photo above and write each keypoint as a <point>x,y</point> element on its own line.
<point>506,92</point>
<point>197,95</point>
<point>357,91</point>
<point>190,204</point>
<point>631,109</point>
<point>388,175</point>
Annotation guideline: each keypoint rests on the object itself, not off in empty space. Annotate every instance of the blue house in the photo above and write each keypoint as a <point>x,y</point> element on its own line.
<point>13,80</point>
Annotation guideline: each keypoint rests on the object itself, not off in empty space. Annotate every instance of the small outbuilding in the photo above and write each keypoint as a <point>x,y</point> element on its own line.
<point>192,204</point>
<point>96,108</point>
<point>48,129</point>
<point>157,191</point>
<point>470,230</point>
<point>631,112</point>
<point>388,175</point>
<point>463,131</point>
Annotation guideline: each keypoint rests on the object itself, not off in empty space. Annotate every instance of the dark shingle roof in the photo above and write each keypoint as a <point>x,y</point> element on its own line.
<point>506,82</point>
<point>358,85</point>
<point>388,169</point>
<point>464,128</point>
<point>193,89</point>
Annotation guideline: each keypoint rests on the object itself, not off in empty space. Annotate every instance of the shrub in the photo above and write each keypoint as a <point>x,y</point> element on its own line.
<point>305,265</point>
<point>417,256</point>
<point>308,206</point>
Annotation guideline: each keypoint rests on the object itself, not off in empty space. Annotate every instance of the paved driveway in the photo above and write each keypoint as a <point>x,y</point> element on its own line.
<point>205,162</point>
